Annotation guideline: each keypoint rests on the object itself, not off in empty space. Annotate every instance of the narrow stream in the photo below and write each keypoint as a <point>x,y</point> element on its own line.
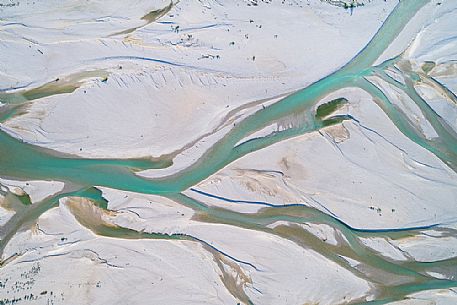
<point>19,160</point>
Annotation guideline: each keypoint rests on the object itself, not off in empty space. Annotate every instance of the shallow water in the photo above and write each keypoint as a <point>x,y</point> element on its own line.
<point>24,161</point>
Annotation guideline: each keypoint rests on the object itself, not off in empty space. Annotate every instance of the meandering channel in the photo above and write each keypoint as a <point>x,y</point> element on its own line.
<point>19,160</point>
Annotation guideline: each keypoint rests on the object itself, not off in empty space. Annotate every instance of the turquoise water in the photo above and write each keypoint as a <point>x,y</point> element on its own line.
<point>21,160</point>
<point>24,161</point>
